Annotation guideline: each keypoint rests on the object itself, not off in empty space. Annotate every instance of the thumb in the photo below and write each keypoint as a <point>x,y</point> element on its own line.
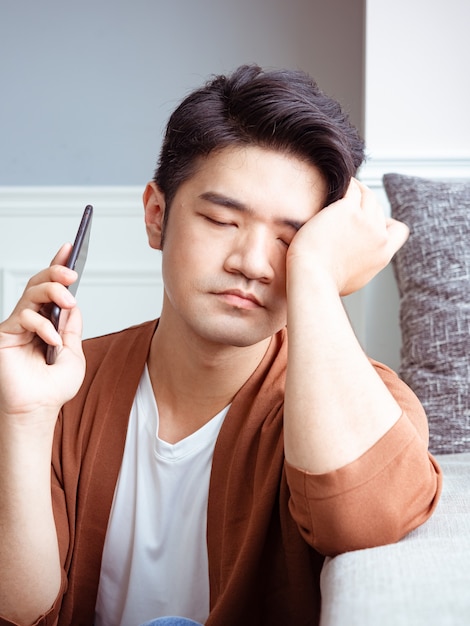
<point>71,329</point>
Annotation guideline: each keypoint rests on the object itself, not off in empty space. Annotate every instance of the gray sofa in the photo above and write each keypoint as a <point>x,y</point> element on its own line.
<point>424,579</point>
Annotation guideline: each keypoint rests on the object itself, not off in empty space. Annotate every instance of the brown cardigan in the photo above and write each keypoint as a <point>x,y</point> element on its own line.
<point>268,524</point>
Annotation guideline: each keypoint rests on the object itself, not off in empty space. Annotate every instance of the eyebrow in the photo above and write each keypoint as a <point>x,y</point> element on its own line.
<point>236,205</point>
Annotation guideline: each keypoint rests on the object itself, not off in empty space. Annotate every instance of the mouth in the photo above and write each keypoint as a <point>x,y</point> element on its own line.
<point>239,299</point>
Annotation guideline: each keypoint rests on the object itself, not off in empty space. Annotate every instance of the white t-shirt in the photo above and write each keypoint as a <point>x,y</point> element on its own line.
<point>155,553</point>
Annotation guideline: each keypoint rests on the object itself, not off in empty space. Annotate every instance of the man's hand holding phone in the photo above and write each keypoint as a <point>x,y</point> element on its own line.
<point>29,384</point>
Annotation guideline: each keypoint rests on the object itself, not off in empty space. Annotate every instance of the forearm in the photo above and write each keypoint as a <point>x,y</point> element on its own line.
<point>336,405</point>
<point>29,555</point>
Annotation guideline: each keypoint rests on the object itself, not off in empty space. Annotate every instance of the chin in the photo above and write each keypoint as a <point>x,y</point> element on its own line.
<point>232,335</point>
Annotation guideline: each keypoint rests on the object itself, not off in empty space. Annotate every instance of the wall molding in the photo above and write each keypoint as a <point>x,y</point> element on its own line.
<point>448,168</point>
<point>63,201</point>
<point>13,281</point>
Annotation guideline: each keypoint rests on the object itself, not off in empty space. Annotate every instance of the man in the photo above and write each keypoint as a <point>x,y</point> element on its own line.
<point>209,461</point>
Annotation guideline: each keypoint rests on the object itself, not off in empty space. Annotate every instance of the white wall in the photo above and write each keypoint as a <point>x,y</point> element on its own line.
<point>87,86</point>
<point>417,79</point>
<point>417,90</point>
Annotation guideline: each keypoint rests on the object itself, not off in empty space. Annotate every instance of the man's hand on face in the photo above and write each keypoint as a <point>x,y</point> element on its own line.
<point>348,242</point>
<point>29,386</point>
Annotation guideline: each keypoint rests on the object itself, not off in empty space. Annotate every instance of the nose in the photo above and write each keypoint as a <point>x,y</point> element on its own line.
<point>251,255</point>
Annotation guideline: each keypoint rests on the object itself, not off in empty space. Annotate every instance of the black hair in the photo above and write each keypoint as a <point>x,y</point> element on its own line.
<point>283,110</point>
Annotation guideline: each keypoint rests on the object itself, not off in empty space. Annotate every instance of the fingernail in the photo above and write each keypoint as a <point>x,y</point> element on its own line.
<point>70,299</point>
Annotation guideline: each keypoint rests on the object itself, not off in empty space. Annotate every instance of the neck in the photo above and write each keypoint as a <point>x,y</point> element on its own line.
<point>194,379</point>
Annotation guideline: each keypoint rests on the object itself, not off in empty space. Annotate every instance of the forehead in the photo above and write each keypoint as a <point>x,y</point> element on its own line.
<point>261,178</point>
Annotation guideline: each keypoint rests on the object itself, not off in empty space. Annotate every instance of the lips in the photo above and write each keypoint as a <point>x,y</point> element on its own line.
<point>239,299</point>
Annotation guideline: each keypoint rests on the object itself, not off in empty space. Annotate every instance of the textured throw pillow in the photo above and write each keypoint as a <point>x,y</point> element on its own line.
<point>433,275</point>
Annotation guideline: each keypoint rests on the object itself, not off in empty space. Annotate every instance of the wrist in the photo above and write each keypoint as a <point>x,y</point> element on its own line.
<point>309,275</point>
<point>36,426</point>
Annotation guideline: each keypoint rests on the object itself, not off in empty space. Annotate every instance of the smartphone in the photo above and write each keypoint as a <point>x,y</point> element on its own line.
<point>76,261</point>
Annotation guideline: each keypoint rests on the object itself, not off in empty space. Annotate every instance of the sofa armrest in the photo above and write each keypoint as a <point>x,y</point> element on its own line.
<point>423,580</point>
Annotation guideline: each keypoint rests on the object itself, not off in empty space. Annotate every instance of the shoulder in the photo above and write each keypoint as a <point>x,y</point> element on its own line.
<point>119,344</point>
<point>114,365</point>
<point>119,356</point>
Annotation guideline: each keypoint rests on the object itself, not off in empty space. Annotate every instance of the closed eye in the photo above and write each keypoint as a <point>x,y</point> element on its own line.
<point>217,222</point>
<point>286,237</point>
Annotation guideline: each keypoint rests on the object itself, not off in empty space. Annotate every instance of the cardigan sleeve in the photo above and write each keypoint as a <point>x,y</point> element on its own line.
<point>378,498</point>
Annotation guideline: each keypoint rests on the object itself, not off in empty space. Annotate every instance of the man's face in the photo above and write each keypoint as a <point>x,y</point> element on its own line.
<point>226,240</point>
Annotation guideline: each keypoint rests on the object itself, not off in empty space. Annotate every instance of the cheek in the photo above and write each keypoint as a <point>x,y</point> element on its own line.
<point>186,261</point>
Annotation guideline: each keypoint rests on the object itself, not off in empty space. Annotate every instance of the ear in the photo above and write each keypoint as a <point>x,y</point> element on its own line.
<point>154,206</point>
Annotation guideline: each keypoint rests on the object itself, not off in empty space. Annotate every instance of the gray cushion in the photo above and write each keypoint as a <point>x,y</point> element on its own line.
<point>433,275</point>
<point>423,580</point>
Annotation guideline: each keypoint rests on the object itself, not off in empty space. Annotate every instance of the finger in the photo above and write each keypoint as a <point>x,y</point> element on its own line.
<point>35,299</point>
<point>36,324</point>
<point>71,333</point>
<point>57,270</point>
<point>369,200</point>
<point>53,273</point>
<point>354,191</point>
<point>398,233</point>
<point>62,255</point>
<point>71,328</point>
<point>36,296</point>
<point>362,197</point>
